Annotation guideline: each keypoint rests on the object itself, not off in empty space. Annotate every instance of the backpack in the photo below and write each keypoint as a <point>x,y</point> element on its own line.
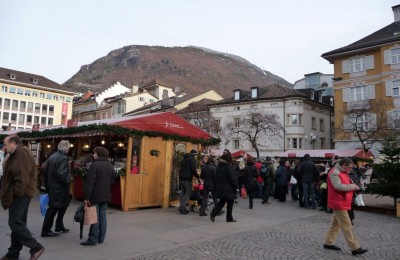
<point>79,217</point>
<point>264,172</point>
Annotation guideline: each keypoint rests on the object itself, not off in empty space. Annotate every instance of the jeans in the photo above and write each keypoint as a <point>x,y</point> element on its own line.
<point>20,234</point>
<point>186,189</point>
<point>309,191</point>
<point>49,219</point>
<point>259,192</point>
<point>266,192</point>
<point>97,232</point>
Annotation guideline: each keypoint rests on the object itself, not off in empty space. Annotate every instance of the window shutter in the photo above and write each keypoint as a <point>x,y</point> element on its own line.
<point>345,66</point>
<point>372,121</point>
<point>371,91</point>
<point>369,62</point>
<point>389,89</point>
<point>390,119</point>
<point>346,95</point>
<point>386,55</point>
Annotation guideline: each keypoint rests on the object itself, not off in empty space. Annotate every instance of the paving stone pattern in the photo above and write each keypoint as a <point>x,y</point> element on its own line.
<point>296,239</point>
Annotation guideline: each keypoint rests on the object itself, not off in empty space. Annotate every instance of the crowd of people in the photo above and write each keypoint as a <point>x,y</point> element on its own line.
<point>312,184</point>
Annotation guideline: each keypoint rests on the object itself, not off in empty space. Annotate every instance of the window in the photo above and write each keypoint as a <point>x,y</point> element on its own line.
<point>55,97</point>
<point>357,64</point>
<point>312,95</point>
<point>14,104</point>
<point>50,121</point>
<point>48,96</point>
<point>43,120</point>
<point>321,125</point>
<point>254,92</point>
<point>295,143</point>
<point>36,120</point>
<point>20,91</point>
<point>41,95</point>
<point>27,92</point>
<point>359,93</point>
<point>37,108</point>
<point>34,94</point>
<point>141,98</point>
<point>236,108</point>
<point>6,117</point>
<point>4,89</point>
<point>294,119</point>
<point>151,100</point>
<point>322,143</point>
<point>1,102</point>
<point>13,117</point>
<point>364,122</point>
<point>30,107</point>
<point>395,56</point>
<point>21,119</point>
<point>12,90</point>
<point>236,95</point>
<point>68,99</point>
<point>44,109</point>
<point>236,144</point>
<point>51,110</point>
<point>313,123</point>
<point>217,122</point>
<point>319,97</point>
<point>62,98</point>
<point>7,103</point>
<point>22,106</point>
<point>28,119</point>
<point>236,122</point>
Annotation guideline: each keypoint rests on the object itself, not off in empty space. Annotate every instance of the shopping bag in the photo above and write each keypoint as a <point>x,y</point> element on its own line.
<point>90,214</point>
<point>44,203</point>
<point>243,192</point>
<point>359,200</point>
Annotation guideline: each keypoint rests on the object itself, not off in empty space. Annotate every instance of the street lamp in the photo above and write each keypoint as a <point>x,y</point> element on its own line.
<point>312,138</point>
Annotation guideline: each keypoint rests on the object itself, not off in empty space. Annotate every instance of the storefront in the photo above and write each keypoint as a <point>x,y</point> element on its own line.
<point>145,151</point>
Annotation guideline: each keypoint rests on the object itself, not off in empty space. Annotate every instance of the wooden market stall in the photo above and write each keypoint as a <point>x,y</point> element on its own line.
<point>145,150</point>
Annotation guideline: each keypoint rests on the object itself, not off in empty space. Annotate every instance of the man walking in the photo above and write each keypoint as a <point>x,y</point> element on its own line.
<point>17,189</point>
<point>97,192</point>
<point>187,170</point>
<point>267,172</point>
<point>340,196</point>
<point>56,180</point>
<point>309,174</point>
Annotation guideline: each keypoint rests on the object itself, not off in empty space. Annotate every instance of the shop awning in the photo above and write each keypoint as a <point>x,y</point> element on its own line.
<point>241,153</point>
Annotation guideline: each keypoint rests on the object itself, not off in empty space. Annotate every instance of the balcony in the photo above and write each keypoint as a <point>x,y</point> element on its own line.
<point>358,105</point>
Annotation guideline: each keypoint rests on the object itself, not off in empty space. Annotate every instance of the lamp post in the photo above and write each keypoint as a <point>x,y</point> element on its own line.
<point>312,138</point>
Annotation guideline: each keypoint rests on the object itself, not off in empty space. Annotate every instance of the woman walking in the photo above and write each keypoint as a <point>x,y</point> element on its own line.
<point>251,174</point>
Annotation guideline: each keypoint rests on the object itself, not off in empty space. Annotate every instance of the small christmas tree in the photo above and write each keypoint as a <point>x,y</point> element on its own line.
<point>387,172</point>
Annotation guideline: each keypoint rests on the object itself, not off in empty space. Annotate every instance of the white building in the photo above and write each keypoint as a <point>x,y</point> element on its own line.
<point>316,81</point>
<point>305,115</point>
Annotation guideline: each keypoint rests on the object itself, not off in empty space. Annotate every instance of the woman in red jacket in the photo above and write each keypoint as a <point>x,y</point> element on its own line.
<point>340,196</point>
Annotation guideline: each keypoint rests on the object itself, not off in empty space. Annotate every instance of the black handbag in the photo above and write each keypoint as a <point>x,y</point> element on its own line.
<point>79,217</point>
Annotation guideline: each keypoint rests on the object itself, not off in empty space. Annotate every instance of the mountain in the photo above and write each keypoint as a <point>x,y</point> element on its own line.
<point>192,69</point>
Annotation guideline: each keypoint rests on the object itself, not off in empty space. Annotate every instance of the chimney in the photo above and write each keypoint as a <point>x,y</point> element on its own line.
<point>396,12</point>
<point>135,88</point>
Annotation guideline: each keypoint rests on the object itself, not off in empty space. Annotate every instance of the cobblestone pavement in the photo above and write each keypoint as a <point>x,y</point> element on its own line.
<point>296,239</point>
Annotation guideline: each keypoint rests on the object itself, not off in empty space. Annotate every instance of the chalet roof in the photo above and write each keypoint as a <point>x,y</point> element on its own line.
<point>387,34</point>
<point>29,78</point>
<point>197,106</point>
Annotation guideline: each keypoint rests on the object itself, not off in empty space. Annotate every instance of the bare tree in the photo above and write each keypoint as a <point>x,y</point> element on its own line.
<point>254,127</point>
<point>366,121</point>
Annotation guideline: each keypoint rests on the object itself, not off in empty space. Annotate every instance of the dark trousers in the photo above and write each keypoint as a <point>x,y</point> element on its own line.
<point>281,192</point>
<point>251,194</point>
<point>20,234</point>
<point>204,200</point>
<point>324,198</point>
<point>266,192</point>
<point>293,188</point>
<point>49,219</point>
<point>220,205</point>
<point>301,195</point>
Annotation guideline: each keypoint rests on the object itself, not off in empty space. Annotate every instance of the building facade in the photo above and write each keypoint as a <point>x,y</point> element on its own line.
<point>317,81</point>
<point>27,99</point>
<point>366,87</point>
<point>305,118</point>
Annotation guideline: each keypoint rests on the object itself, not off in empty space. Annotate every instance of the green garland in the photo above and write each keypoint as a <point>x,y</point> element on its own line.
<point>105,129</point>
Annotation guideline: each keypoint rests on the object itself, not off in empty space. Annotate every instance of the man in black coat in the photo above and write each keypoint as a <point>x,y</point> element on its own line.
<point>57,179</point>
<point>309,174</point>
<point>97,192</point>
<point>187,170</point>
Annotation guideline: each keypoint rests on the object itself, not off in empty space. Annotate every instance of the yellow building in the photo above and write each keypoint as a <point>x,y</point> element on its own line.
<point>366,87</point>
<point>28,99</point>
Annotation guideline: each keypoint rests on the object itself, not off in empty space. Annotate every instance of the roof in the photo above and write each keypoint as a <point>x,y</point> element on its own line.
<point>28,78</point>
<point>197,106</point>
<point>353,153</point>
<point>387,34</point>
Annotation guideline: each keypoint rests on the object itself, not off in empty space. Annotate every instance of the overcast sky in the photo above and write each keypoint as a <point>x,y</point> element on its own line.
<point>286,37</point>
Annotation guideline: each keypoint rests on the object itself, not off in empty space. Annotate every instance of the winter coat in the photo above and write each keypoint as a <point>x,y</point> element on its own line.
<point>340,189</point>
<point>269,176</point>
<point>282,176</point>
<point>57,179</point>
<point>187,168</point>
<point>309,172</point>
<point>251,174</point>
<point>19,176</point>
<point>208,175</point>
<point>225,181</point>
<point>100,177</point>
